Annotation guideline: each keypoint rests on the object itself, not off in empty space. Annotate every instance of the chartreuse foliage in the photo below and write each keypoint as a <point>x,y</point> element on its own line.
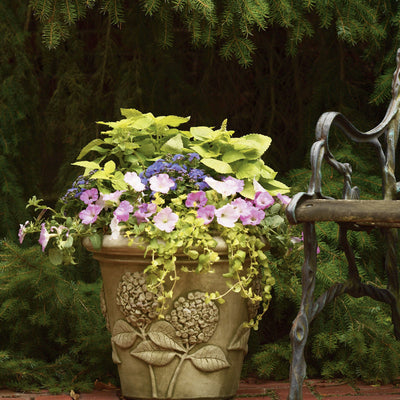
<point>232,23</point>
<point>351,338</point>
<point>52,333</point>
<point>140,137</point>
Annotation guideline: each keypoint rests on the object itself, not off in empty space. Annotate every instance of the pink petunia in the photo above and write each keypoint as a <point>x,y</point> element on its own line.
<point>263,200</point>
<point>196,199</point>
<point>243,206</point>
<point>89,196</point>
<point>253,216</point>
<point>227,187</point>
<point>227,215</point>
<point>165,220</point>
<point>145,211</point>
<point>161,183</point>
<point>207,213</point>
<point>44,236</point>
<point>133,180</point>
<point>123,210</point>
<point>22,231</point>
<point>90,214</point>
<point>285,200</point>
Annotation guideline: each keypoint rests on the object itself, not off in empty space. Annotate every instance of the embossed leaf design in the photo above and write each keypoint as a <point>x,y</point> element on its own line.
<point>239,341</point>
<point>115,356</point>
<point>162,333</point>
<point>152,354</point>
<point>124,335</point>
<point>209,358</point>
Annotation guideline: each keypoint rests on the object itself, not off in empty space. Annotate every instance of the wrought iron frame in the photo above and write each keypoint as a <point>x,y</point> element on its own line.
<point>387,132</point>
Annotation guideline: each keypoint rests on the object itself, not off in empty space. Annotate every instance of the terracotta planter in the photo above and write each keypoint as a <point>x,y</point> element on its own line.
<point>196,352</point>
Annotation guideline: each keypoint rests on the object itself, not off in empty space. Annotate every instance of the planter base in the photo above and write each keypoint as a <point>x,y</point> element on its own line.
<point>195,352</point>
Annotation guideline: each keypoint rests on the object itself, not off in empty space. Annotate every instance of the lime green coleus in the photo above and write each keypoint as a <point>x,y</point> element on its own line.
<point>138,139</point>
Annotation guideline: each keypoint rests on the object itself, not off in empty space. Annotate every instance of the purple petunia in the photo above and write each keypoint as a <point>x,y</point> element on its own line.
<point>89,196</point>
<point>90,214</point>
<point>145,211</point>
<point>123,210</point>
<point>207,213</point>
<point>44,236</point>
<point>196,199</point>
<point>263,200</point>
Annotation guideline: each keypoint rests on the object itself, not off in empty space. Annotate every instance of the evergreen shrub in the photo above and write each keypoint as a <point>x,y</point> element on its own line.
<point>52,332</point>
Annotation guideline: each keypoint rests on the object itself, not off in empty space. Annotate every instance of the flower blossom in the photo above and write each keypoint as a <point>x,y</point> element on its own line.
<point>196,199</point>
<point>90,214</point>
<point>263,200</point>
<point>115,228</point>
<point>227,215</point>
<point>145,211</point>
<point>123,210</point>
<point>227,187</point>
<point>285,200</point>
<point>161,183</point>
<point>243,206</point>
<point>89,196</point>
<point>133,180</point>
<point>165,220</point>
<point>22,231</point>
<point>207,213</point>
<point>253,216</point>
<point>109,199</point>
<point>44,236</point>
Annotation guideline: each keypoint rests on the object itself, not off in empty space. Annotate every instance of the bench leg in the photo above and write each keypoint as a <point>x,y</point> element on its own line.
<point>391,237</point>
<point>300,327</point>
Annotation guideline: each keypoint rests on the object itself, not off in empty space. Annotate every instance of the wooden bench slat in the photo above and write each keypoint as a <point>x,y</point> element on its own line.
<point>364,212</point>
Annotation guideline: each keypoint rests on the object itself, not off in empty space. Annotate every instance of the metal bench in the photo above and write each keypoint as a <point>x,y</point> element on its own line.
<point>350,213</point>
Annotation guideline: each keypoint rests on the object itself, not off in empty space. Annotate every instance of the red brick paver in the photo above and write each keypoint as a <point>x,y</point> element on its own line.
<point>249,390</point>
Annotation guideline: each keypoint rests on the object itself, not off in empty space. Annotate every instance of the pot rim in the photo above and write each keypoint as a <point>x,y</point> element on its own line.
<point>123,245</point>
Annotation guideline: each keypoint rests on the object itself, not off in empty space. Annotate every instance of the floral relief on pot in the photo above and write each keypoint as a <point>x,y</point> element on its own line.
<point>183,334</point>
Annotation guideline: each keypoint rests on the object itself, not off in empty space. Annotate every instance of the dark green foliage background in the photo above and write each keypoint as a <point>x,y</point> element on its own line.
<point>62,71</point>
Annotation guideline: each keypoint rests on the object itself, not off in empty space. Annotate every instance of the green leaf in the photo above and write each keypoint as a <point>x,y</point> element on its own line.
<point>89,147</point>
<point>172,120</point>
<point>109,167</point>
<point>144,122</point>
<point>247,169</point>
<point>219,166</point>
<point>88,165</point>
<point>100,175</point>
<point>202,133</point>
<point>130,112</point>
<point>205,151</point>
<point>253,145</point>
<point>232,155</point>
<point>96,241</point>
<point>55,256</point>
<point>173,145</point>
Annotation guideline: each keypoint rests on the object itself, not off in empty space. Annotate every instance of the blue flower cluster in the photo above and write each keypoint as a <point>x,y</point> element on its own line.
<point>180,168</point>
<point>78,187</point>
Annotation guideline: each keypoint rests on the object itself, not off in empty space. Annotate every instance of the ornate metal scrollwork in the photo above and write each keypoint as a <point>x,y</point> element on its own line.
<point>388,130</point>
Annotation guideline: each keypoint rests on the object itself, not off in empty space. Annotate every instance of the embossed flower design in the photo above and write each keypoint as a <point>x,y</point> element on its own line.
<point>194,320</point>
<point>137,303</point>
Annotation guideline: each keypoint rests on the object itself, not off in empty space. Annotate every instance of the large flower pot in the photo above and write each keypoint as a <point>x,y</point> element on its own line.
<point>195,352</point>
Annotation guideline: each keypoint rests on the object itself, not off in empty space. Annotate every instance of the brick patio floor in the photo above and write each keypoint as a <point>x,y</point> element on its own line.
<point>268,390</point>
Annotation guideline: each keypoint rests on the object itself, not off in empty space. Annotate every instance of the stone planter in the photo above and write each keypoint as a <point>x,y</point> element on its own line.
<point>196,352</point>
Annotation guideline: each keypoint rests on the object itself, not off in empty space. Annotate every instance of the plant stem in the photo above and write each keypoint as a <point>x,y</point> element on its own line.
<point>153,382</point>
<point>172,383</point>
